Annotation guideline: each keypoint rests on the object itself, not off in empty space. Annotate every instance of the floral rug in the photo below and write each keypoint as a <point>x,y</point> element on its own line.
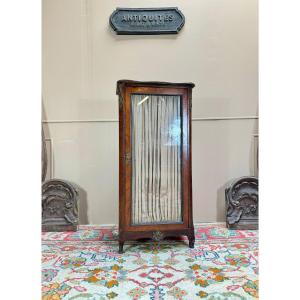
<point>86,265</point>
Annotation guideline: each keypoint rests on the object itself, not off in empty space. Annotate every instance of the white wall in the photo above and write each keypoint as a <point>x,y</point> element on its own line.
<point>82,60</point>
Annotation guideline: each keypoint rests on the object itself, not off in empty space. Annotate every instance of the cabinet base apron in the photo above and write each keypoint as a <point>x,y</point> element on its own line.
<point>156,236</point>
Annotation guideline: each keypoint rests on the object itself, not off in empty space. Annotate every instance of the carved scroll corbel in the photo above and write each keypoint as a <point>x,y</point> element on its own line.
<point>59,205</point>
<point>242,204</point>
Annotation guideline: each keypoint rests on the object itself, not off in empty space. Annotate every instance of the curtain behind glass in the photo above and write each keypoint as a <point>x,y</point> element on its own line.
<point>156,159</point>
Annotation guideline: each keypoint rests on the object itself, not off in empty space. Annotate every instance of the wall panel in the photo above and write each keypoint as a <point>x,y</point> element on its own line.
<point>82,60</point>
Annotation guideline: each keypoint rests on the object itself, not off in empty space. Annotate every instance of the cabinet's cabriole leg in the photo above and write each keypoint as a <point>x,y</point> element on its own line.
<point>121,244</point>
<point>191,241</point>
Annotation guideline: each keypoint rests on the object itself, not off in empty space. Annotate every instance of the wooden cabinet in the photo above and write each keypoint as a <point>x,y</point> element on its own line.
<point>155,175</point>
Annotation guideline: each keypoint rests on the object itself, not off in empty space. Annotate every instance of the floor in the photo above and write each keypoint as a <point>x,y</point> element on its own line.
<point>86,265</point>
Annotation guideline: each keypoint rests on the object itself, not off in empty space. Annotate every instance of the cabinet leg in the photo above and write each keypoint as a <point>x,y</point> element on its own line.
<point>121,244</point>
<point>191,240</point>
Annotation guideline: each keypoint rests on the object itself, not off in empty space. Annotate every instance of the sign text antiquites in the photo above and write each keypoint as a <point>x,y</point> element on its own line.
<point>168,20</point>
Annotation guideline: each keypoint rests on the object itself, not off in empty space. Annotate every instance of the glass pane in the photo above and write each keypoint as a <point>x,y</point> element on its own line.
<point>156,143</point>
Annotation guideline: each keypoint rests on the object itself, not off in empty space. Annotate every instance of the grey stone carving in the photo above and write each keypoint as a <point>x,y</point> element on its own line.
<point>59,206</point>
<point>59,201</point>
<point>242,204</point>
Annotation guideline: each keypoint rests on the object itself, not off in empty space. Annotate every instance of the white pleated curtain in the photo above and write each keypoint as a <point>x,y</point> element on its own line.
<point>156,159</point>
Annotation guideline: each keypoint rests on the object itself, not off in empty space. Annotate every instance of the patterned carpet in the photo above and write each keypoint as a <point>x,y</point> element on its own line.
<point>86,265</point>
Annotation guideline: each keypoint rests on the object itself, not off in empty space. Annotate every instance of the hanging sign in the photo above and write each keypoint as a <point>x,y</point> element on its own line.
<point>167,20</point>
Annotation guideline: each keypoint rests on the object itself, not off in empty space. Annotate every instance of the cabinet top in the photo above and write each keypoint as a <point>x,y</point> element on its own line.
<point>125,82</point>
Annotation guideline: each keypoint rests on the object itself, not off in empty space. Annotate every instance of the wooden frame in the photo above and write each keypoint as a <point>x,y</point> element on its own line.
<point>127,231</point>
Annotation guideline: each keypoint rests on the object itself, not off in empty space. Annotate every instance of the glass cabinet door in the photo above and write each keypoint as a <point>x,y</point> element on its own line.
<point>156,151</point>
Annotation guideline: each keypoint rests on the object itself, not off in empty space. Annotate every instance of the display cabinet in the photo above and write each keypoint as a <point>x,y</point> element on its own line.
<point>155,170</point>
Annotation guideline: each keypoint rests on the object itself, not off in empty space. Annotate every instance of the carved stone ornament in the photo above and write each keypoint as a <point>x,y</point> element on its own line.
<point>59,206</point>
<point>157,236</point>
<point>242,204</point>
<point>59,201</point>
